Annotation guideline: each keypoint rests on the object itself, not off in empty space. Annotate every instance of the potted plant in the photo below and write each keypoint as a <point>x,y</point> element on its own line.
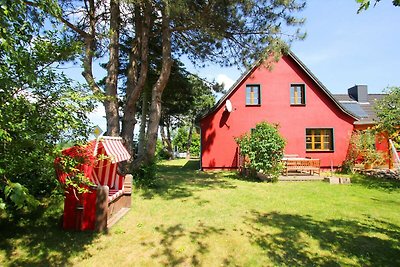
<point>362,150</point>
<point>371,157</point>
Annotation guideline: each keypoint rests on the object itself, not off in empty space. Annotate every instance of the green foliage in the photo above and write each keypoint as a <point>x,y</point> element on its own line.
<point>39,106</point>
<point>19,196</point>
<point>234,32</point>
<point>262,150</point>
<point>388,112</point>
<point>70,165</point>
<point>161,152</point>
<point>186,96</point>
<point>362,150</point>
<point>180,141</point>
<point>195,145</point>
<point>146,175</point>
<point>364,4</point>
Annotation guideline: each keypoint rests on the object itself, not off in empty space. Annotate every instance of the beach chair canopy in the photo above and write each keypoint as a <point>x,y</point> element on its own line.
<point>113,148</point>
<point>100,158</point>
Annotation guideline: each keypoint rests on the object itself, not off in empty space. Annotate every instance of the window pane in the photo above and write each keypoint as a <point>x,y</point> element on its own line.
<point>297,94</point>
<point>319,139</point>
<point>293,98</point>
<point>253,95</point>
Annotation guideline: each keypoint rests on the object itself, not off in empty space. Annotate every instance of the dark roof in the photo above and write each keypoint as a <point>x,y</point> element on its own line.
<point>365,111</point>
<point>302,65</point>
<point>355,108</point>
<point>343,97</point>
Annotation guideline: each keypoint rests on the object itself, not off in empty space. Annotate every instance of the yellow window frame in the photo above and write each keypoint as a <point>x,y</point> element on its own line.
<point>319,139</point>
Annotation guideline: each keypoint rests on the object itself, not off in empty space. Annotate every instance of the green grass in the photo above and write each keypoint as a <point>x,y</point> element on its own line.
<point>218,219</point>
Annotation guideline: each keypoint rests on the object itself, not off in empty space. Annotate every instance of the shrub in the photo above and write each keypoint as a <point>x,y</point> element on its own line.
<point>362,150</point>
<point>161,151</point>
<point>181,139</point>
<point>146,175</point>
<point>262,150</point>
<point>195,145</point>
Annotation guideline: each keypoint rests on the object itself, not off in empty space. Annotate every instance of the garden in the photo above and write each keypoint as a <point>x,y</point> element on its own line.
<point>198,218</point>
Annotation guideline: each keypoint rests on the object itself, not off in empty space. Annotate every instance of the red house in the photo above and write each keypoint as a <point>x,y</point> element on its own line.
<point>314,122</point>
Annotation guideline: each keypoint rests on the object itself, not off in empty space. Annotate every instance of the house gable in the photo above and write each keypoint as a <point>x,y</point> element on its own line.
<point>258,65</point>
<point>319,111</point>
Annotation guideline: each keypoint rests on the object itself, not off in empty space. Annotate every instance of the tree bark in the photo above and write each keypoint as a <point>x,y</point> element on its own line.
<point>111,102</point>
<point>143,123</point>
<point>89,40</point>
<point>189,142</point>
<point>166,137</point>
<point>159,86</point>
<point>136,77</point>
<point>171,149</point>
<point>166,144</point>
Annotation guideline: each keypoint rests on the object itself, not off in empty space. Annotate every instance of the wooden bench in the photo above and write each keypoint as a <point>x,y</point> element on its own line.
<point>301,164</point>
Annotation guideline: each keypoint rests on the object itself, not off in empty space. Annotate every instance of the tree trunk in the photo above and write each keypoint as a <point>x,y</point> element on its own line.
<point>168,125</point>
<point>166,138</point>
<point>143,123</point>
<point>189,142</point>
<point>89,39</point>
<point>136,77</point>
<point>166,143</point>
<point>158,88</point>
<point>111,102</point>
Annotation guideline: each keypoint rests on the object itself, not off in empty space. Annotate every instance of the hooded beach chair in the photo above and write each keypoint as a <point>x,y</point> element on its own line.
<point>109,192</point>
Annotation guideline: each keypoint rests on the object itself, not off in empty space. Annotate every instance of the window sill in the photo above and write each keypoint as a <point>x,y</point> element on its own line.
<point>253,105</point>
<point>297,105</point>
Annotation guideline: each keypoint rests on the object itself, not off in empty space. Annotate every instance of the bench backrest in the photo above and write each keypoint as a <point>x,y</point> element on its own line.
<point>302,163</point>
<point>106,173</point>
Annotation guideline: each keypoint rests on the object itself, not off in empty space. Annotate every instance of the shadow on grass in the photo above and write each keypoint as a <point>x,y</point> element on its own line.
<point>182,181</point>
<point>40,242</point>
<point>193,164</point>
<point>376,183</point>
<point>169,249</point>
<point>288,240</point>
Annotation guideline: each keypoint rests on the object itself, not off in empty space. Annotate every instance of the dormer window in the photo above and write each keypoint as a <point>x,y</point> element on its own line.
<point>297,94</point>
<point>253,95</point>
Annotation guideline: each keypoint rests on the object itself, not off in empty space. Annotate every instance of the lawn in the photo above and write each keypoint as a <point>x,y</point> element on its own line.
<point>218,219</point>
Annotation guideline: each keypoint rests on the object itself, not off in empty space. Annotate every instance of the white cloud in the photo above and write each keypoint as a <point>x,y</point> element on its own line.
<point>228,82</point>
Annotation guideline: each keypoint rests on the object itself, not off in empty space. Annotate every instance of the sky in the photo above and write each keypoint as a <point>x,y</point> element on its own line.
<point>342,48</point>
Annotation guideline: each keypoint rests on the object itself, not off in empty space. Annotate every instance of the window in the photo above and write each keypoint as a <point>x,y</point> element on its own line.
<point>319,139</point>
<point>297,94</point>
<point>253,94</point>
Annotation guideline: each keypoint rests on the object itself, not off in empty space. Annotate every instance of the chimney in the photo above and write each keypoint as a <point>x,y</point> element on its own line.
<point>359,93</point>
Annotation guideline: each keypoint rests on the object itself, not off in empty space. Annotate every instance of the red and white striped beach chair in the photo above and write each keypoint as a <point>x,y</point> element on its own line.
<point>110,198</point>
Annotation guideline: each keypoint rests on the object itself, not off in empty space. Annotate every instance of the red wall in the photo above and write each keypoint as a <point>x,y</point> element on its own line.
<point>219,149</point>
